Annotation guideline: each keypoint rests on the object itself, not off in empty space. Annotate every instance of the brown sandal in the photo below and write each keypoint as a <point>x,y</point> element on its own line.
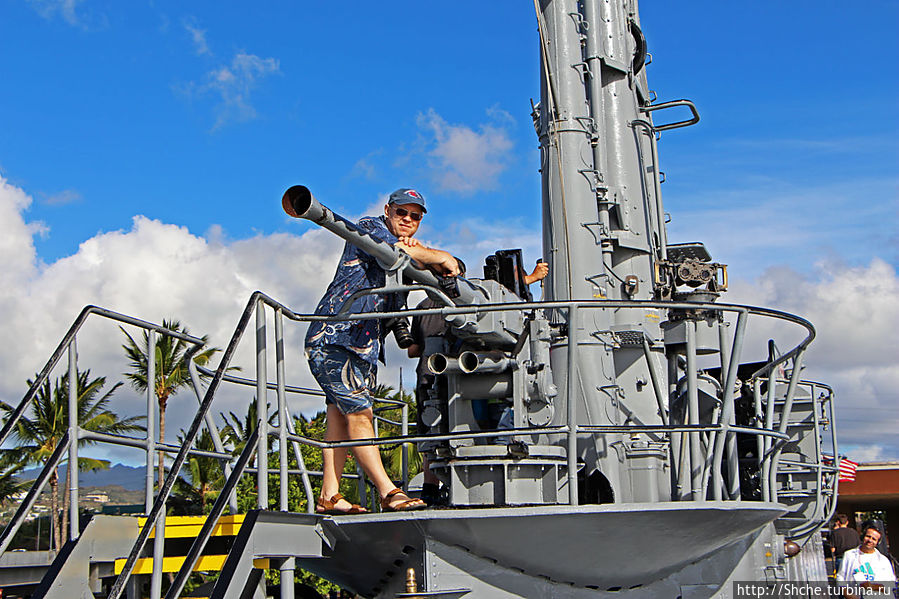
<point>327,506</point>
<point>404,506</point>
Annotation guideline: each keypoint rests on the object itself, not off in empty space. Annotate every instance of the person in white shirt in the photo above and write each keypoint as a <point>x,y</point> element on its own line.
<point>865,566</point>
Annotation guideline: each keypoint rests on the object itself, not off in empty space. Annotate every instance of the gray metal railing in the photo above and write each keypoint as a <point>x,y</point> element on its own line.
<point>705,446</point>
<point>74,434</point>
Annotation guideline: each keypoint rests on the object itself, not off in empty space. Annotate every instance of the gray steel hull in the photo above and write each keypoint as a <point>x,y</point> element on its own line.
<point>565,551</point>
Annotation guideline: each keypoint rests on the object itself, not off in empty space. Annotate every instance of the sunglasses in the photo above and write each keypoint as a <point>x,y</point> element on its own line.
<point>403,213</point>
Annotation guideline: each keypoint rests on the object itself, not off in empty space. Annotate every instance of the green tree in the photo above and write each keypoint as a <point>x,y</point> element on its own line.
<point>237,429</point>
<point>202,479</point>
<point>10,468</point>
<point>171,369</point>
<point>38,433</point>
<point>392,456</point>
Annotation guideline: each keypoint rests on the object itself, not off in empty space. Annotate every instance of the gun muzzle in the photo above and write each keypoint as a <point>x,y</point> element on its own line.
<point>441,363</point>
<point>299,202</point>
<point>470,362</point>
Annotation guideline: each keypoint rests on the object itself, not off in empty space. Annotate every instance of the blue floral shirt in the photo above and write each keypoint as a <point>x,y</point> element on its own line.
<point>357,270</point>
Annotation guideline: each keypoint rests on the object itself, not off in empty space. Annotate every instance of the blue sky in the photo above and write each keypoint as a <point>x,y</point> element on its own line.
<point>160,135</point>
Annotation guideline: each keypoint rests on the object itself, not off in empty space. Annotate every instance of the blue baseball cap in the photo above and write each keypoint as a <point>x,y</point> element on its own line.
<point>407,196</point>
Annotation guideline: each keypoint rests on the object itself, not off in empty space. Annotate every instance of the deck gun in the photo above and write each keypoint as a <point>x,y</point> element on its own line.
<point>490,369</point>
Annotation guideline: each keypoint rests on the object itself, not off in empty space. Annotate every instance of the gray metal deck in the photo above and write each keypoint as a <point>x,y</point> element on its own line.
<point>594,547</point>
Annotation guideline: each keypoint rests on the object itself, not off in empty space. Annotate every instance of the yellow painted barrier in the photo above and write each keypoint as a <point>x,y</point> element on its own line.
<point>185,527</point>
<point>206,563</point>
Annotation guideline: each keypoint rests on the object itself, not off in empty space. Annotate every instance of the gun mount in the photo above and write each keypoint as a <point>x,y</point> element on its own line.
<point>494,374</point>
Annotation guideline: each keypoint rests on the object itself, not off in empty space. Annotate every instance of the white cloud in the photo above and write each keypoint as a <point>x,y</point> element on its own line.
<point>71,12</point>
<point>67,196</point>
<point>757,221</point>
<point>233,84</point>
<point>152,271</point>
<point>366,167</point>
<point>156,270</point>
<point>64,8</point>
<point>862,454</point>
<point>463,159</point>
<point>853,310</point>
<point>198,36</point>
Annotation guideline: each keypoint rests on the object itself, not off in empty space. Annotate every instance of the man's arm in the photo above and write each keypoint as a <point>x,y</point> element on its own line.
<point>442,262</point>
<point>844,575</point>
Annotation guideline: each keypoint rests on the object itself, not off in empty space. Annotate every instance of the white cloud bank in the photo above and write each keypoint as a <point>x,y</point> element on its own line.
<point>152,271</point>
<point>156,270</point>
<point>856,350</point>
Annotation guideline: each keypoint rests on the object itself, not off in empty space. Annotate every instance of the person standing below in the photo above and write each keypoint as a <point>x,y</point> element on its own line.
<point>864,566</point>
<point>841,539</point>
<point>343,356</point>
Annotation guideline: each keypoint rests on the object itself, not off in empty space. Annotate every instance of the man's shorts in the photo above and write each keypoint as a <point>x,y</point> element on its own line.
<point>345,378</point>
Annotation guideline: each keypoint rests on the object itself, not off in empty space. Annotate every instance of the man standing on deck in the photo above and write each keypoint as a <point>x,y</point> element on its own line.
<point>343,355</point>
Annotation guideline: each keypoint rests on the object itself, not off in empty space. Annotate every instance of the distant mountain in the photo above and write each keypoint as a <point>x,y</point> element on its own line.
<point>128,477</point>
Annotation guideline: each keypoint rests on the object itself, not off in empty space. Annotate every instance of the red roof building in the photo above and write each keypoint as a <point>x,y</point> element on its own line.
<point>876,487</point>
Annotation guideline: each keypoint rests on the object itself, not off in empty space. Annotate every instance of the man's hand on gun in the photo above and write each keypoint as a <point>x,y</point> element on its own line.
<point>442,263</point>
<point>539,273</point>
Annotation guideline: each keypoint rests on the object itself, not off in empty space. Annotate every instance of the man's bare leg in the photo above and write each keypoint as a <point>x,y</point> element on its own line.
<point>369,457</point>
<point>333,460</point>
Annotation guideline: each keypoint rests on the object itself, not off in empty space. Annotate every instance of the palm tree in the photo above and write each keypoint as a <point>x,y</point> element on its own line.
<point>393,456</point>
<point>171,369</point>
<point>203,477</point>
<point>38,435</point>
<point>10,467</point>
<point>237,430</point>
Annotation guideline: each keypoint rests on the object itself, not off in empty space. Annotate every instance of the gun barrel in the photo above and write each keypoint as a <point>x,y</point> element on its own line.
<point>470,361</point>
<point>440,364</point>
<point>299,202</point>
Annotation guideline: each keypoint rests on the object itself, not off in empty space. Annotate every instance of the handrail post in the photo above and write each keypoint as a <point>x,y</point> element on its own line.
<point>158,553</point>
<point>282,411</point>
<point>785,418</point>
<point>287,568</point>
<point>760,424</point>
<point>404,431</point>
<point>213,430</point>
<point>696,461</point>
<point>405,446</point>
<point>151,420</point>
<point>301,465</point>
<point>73,441</point>
<point>261,409</point>
<point>820,507</point>
<point>727,412</point>
<point>769,425</point>
<point>572,405</point>
<point>836,450</point>
<point>159,539</point>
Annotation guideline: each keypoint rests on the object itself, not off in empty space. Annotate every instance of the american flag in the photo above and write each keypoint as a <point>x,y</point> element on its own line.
<point>847,468</point>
